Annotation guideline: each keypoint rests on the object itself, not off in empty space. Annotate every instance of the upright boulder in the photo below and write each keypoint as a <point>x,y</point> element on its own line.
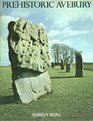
<point>62,64</point>
<point>79,64</point>
<point>29,57</point>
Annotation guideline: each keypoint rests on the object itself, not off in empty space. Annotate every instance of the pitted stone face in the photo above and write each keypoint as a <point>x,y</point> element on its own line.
<point>28,46</point>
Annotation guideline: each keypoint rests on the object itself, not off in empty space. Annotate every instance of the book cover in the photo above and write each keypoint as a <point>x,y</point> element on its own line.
<point>46,45</point>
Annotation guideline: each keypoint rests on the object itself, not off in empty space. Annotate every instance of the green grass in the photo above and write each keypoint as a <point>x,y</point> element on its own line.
<point>88,66</point>
<point>71,97</point>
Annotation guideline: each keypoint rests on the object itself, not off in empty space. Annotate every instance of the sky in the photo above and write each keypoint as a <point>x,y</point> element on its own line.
<point>70,26</point>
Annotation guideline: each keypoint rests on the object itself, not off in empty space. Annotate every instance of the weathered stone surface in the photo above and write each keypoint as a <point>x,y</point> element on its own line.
<point>28,45</point>
<point>29,57</point>
<point>31,86</point>
<point>79,64</point>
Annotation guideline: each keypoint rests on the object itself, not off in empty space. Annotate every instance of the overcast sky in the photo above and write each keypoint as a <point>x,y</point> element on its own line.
<point>70,26</point>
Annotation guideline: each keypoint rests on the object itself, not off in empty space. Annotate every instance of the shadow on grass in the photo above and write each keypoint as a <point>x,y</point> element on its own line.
<point>56,69</point>
<point>63,72</point>
<point>62,77</point>
<point>6,99</point>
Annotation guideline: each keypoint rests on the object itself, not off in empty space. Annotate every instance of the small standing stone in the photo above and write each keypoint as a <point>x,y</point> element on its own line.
<point>52,65</point>
<point>62,64</point>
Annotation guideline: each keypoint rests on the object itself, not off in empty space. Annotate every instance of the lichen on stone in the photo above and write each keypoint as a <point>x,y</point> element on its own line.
<point>29,44</point>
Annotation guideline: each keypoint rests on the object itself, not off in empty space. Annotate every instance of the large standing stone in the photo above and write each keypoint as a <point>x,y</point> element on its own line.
<point>29,57</point>
<point>79,64</point>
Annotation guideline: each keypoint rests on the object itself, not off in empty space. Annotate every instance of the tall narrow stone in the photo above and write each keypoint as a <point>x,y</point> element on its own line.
<point>62,64</point>
<point>29,57</point>
<point>79,64</point>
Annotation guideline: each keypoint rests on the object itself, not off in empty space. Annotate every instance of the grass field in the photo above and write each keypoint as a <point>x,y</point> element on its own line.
<point>71,97</point>
<point>88,66</point>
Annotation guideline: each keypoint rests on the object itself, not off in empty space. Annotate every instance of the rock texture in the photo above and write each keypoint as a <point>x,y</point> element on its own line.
<point>29,57</point>
<point>31,86</point>
<point>29,44</point>
<point>79,64</point>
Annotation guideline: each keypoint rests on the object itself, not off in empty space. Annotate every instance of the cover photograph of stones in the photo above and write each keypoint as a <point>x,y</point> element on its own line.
<point>46,62</point>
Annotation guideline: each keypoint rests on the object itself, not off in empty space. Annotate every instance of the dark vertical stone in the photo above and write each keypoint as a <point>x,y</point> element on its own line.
<point>67,67</point>
<point>79,64</point>
<point>62,64</point>
<point>52,65</point>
